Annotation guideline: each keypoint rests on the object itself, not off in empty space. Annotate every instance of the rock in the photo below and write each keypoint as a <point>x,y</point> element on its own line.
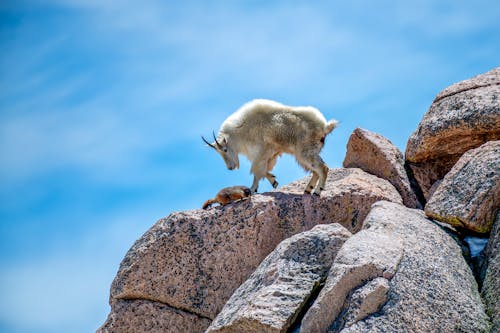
<point>131,316</point>
<point>366,300</point>
<point>469,195</point>
<point>193,261</point>
<point>272,297</point>
<point>484,80</point>
<point>491,283</point>
<point>367,256</point>
<point>462,117</point>
<point>350,194</point>
<point>377,155</point>
<point>430,290</point>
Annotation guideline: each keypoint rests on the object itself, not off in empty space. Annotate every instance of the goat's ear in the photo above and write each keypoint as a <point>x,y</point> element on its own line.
<point>224,141</point>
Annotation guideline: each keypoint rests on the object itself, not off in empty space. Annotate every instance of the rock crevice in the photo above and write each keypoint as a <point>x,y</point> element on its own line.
<point>273,296</point>
<point>170,306</point>
<point>364,257</point>
<point>362,302</point>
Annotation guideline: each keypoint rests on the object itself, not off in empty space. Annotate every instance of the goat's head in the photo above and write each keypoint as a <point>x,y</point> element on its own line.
<point>229,155</point>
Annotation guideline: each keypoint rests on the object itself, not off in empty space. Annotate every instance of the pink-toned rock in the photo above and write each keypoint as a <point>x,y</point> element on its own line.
<point>272,297</point>
<point>462,117</point>
<point>469,195</point>
<point>431,287</point>
<point>193,261</point>
<point>351,192</point>
<point>377,155</point>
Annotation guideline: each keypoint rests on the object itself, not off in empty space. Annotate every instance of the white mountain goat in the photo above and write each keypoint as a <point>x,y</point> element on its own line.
<point>262,130</point>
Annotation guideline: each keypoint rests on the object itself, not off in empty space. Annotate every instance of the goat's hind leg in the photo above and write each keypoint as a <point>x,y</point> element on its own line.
<point>322,170</point>
<point>312,183</point>
<point>270,165</point>
<point>272,179</point>
<point>309,166</point>
<point>310,160</point>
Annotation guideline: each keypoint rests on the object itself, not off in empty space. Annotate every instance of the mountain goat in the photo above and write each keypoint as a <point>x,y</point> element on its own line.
<point>262,130</point>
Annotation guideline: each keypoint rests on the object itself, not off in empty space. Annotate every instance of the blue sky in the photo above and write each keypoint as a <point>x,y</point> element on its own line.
<point>102,104</point>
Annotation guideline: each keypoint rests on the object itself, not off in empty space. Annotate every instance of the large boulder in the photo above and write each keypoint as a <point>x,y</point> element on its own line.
<point>377,155</point>
<point>491,282</point>
<point>430,286</point>
<point>469,195</point>
<point>462,117</point>
<point>193,261</point>
<point>272,297</point>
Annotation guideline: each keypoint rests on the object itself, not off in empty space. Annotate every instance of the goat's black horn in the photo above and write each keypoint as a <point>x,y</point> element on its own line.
<point>208,143</point>
<point>216,142</point>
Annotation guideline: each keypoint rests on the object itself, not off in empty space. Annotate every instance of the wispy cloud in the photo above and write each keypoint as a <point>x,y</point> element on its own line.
<point>102,103</point>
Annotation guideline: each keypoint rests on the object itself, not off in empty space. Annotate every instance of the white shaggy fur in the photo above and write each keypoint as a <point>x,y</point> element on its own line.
<point>262,130</point>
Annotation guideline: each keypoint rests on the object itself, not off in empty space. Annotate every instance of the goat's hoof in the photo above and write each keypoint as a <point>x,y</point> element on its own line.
<point>316,194</point>
<point>275,184</point>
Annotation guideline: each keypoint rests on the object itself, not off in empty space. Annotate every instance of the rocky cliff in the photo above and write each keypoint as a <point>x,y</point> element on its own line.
<point>380,251</point>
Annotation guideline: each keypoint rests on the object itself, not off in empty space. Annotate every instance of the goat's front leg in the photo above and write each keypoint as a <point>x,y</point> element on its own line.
<point>261,165</point>
<point>255,185</point>
<point>259,171</point>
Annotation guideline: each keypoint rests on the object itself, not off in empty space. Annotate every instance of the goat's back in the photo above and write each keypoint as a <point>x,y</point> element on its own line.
<point>276,123</point>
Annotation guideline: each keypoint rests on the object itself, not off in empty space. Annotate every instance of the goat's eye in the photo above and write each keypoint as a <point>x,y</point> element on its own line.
<point>225,150</point>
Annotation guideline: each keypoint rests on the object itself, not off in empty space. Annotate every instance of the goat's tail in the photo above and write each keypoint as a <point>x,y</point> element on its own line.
<point>331,125</point>
<point>208,203</point>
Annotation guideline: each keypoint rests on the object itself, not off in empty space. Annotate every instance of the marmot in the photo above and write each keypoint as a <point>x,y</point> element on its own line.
<point>228,195</point>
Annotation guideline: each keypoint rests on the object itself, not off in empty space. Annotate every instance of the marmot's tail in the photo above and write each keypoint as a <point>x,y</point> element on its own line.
<point>331,125</point>
<point>208,203</point>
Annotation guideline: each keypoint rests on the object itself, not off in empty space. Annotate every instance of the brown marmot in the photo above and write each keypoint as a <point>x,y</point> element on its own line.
<point>228,195</point>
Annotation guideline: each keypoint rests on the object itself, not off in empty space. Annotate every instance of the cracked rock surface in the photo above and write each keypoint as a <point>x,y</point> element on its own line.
<point>431,287</point>
<point>366,300</point>
<point>462,117</point>
<point>131,316</point>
